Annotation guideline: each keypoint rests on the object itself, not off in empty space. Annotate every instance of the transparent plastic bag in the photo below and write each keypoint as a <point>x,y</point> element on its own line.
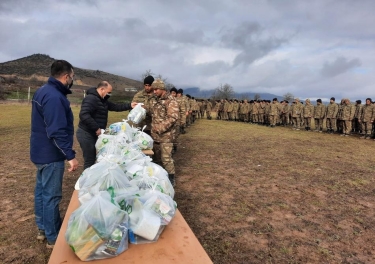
<point>143,140</point>
<point>137,114</point>
<point>98,229</point>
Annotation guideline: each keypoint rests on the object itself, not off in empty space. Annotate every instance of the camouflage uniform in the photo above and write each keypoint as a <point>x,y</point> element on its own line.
<point>146,99</point>
<point>339,120</point>
<point>366,119</point>
<point>308,113</point>
<point>230,110</point>
<point>236,107</point>
<point>208,109</point>
<point>267,109</point>
<point>182,115</point>
<point>261,112</point>
<point>297,110</point>
<point>347,115</point>
<point>357,116</point>
<point>255,112</point>
<point>165,114</point>
<point>285,114</point>
<point>331,115</point>
<point>274,111</point>
<point>319,113</point>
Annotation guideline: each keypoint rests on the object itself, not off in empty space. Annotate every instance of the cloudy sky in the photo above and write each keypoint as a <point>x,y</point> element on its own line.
<point>312,49</point>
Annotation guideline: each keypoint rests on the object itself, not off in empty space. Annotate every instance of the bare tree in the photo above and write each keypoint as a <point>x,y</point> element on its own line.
<point>288,97</point>
<point>223,91</point>
<point>256,97</point>
<point>146,73</point>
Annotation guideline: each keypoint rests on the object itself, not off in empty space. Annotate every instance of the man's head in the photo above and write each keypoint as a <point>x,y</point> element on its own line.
<point>147,82</point>
<point>332,101</point>
<point>174,92</point>
<point>319,101</point>
<point>358,102</point>
<point>274,100</point>
<point>368,101</point>
<point>63,71</point>
<point>104,89</point>
<point>159,87</point>
<point>180,92</point>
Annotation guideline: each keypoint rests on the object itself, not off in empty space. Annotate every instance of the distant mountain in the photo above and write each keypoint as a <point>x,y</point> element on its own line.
<point>198,93</point>
<point>37,67</point>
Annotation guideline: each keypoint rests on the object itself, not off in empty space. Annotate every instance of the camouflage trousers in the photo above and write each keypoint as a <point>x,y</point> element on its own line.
<point>366,128</point>
<point>307,121</point>
<point>208,114</point>
<point>285,119</point>
<point>347,127</point>
<point>261,118</point>
<point>331,123</point>
<point>163,156</point>
<point>296,122</point>
<point>273,119</point>
<point>318,123</point>
<point>255,118</point>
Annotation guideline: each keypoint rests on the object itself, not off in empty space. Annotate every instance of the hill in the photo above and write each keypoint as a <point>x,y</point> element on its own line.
<point>32,71</point>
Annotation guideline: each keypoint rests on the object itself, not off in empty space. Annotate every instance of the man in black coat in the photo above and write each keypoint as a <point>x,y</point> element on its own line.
<point>93,117</point>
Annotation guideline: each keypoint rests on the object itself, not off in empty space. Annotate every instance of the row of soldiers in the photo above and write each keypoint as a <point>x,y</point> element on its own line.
<point>344,118</point>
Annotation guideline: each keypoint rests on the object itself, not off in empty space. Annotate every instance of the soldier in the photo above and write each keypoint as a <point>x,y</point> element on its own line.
<point>208,109</point>
<point>273,112</point>
<point>255,112</point>
<point>203,107</point>
<point>194,107</point>
<point>185,99</point>
<point>285,113</point>
<point>181,118</point>
<point>367,118</point>
<point>308,113</point>
<point>230,110</point>
<point>348,111</point>
<point>296,114</point>
<point>165,113</point>
<point>246,111</point>
<point>339,122</point>
<point>261,111</point>
<point>356,125</point>
<point>222,104</point>
<point>146,96</point>
<point>217,109</point>
<point>190,114</point>
<point>280,107</point>
<point>319,113</point>
<point>331,115</point>
<point>236,107</point>
<point>225,109</point>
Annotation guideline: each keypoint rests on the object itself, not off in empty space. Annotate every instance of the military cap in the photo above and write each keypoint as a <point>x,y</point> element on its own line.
<point>148,80</point>
<point>174,90</point>
<point>180,91</point>
<point>158,84</point>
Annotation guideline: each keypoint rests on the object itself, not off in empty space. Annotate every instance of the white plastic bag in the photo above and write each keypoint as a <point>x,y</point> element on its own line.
<point>137,114</point>
<point>143,140</point>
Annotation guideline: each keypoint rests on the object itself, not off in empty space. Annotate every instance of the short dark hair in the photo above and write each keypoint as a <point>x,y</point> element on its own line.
<point>60,67</point>
<point>174,90</point>
<point>102,84</point>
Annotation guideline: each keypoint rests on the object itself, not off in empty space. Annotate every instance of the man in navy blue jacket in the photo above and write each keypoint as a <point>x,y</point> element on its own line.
<point>51,143</point>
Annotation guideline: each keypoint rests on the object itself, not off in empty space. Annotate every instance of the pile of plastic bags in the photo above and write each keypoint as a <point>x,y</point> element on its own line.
<point>124,197</point>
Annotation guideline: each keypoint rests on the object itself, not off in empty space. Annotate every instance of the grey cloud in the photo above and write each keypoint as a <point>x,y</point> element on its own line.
<point>340,65</point>
<point>252,40</point>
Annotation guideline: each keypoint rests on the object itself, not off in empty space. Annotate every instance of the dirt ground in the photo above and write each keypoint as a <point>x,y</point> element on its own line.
<point>251,194</point>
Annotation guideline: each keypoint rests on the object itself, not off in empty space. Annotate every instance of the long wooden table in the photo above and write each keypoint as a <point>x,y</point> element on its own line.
<point>177,244</point>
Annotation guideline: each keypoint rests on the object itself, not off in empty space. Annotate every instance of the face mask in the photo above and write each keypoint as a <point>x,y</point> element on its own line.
<point>107,96</point>
<point>70,85</point>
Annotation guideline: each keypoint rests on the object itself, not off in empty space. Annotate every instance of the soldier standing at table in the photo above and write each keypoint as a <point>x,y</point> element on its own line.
<point>144,97</point>
<point>165,114</point>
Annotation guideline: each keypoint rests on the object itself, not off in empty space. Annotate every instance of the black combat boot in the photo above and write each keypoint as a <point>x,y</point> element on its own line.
<point>182,130</point>
<point>171,179</point>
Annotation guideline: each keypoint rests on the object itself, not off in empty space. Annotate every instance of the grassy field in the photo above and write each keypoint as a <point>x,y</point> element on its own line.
<point>251,194</point>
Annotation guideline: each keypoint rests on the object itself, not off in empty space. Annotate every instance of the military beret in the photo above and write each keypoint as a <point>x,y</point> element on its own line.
<point>174,90</point>
<point>148,80</point>
<point>333,98</point>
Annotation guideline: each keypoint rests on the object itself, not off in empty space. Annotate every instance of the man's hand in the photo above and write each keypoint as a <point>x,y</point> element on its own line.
<point>73,165</point>
<point>133,104</point>
<point>98,132</point>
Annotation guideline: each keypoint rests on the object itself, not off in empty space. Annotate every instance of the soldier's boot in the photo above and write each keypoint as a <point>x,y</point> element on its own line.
<point>174,148</point>
<point>182,130</point>
<point>171,179</point>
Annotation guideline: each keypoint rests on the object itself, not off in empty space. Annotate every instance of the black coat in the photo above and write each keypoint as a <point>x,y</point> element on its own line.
<point>94,111</point>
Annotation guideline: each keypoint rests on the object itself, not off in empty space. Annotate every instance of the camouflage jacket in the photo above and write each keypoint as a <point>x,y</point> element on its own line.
<point>230,107</point>
<point>347,112</point>
<point>261,108</point>
<point>319,111</point>
<point>236,107</point>
<point>186,101</point>
<point>274,110</point>
<point>182,110</point>
<point>147,100</point>
<point>339,111</point>
<point>308,110</point>
<point>165,113</point>
<point>367,113</point>
<point>255,109</point>
<point>209,106</point>
<point>358,110</point>
<point>297,110</point>
<point>286,109</point>
<point>331,110</point>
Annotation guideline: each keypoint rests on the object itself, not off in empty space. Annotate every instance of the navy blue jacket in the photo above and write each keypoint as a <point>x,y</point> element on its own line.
<point>52,127</point>
<point>94,111</point>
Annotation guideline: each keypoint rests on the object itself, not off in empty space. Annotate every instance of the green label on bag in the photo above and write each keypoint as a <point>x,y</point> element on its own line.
<point>144,142</point>
<point>105,140</point>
